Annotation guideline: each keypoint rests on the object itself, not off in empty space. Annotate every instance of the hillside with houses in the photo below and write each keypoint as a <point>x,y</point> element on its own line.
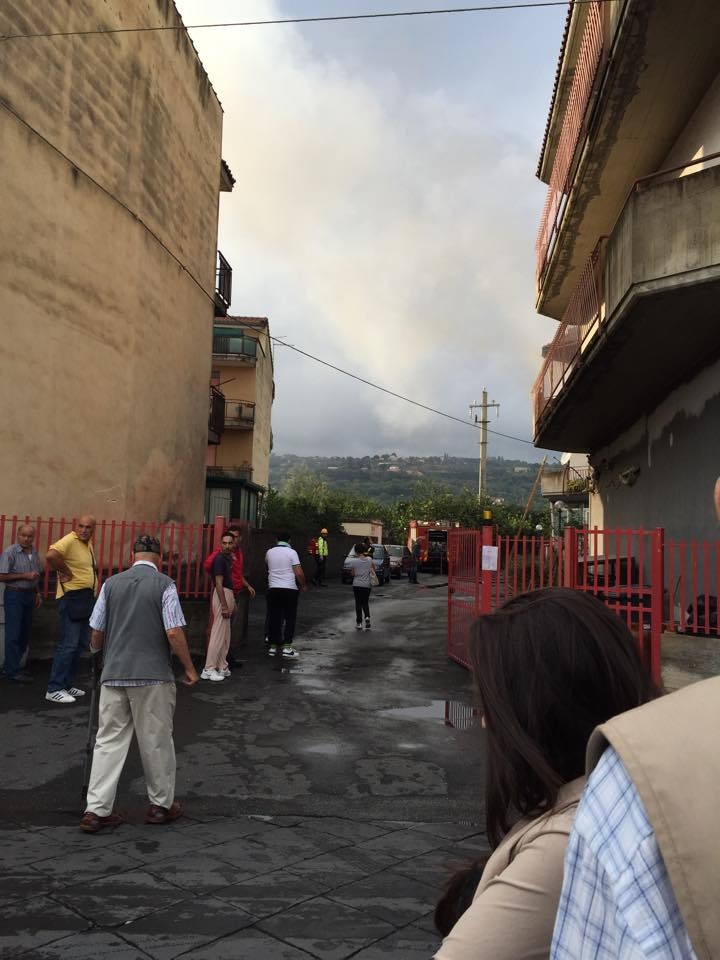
<point>388,477</point>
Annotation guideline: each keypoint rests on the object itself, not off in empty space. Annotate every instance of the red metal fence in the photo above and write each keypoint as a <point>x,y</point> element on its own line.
<point>693,587</point>
<point>627,569</point>
<point>184,547</point>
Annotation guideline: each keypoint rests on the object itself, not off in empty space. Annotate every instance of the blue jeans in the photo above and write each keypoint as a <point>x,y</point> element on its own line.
<point>19,606</point>
<point>74,638</point>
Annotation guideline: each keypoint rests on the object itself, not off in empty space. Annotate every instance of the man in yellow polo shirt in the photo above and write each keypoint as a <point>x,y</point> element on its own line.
<point>73,560</point>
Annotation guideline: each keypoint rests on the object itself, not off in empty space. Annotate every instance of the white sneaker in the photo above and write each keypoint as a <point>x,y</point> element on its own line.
<point>225,672</point>
<point>59,696</point>
<point>213,675</point>
<point>289,653</point>
<point>76,692</point>
<point>272,650</point>
<point>358,626</point>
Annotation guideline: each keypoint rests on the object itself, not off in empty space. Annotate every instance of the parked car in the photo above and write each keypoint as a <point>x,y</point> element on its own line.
<point>400,559</point>
<point>381,562</point>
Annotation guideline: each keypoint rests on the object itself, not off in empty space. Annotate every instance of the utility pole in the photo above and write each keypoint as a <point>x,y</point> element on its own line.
<point>483,421</point>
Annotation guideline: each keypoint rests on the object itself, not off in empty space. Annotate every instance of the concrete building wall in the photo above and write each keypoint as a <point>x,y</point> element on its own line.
<point>701,136</point>
<point>662,471</point>
<point>111,169</point>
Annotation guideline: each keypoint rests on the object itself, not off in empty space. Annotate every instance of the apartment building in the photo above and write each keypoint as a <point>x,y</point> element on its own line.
<point>628,260</point>
<point>109,196</point>
<point>238,467</point>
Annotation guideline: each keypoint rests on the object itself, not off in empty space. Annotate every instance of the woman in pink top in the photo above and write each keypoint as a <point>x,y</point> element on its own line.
<point>549,667</point>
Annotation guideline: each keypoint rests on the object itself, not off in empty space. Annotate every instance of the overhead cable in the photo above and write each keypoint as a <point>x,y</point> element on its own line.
<point>485,8</point>
<point>398,396</point>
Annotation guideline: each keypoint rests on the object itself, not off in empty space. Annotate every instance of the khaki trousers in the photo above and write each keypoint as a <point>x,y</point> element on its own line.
<point>219,642</point>
<point>148,711</point>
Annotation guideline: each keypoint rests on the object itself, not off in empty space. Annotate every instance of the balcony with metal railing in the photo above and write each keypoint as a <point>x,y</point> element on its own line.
<point>239,414</point>
<point>573,126</point>
<point>231,345</point>
<point>242,471</point>
<point>571,484</point>
<point>630,77</point>
<point>642,317</point>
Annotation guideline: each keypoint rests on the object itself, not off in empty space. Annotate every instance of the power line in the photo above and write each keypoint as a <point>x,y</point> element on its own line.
<point>398,396</point>
<point>263,23</point>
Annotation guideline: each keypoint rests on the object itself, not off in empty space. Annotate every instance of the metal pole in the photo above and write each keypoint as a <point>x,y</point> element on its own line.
<point>483,422</point>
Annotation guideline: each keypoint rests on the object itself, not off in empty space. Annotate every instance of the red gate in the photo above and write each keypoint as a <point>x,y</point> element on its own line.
<point>623,568</point>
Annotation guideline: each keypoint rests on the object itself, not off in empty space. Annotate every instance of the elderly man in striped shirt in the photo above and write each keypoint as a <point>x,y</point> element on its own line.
<point>137,622</point>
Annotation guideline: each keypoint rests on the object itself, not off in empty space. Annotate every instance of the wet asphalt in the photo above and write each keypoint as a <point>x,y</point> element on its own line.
<point>327,801</point>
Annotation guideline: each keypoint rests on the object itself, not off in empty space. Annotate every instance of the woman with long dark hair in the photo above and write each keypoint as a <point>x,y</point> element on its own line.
<point>549,666</point>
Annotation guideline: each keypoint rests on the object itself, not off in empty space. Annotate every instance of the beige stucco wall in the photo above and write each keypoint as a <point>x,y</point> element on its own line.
<point>263,411</point>
<point>111,165</point>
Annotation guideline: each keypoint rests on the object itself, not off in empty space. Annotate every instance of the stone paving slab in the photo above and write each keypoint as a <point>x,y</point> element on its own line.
<point>326,929</point>
<point>410,943</point>
<point>26,924</point>
<point>401,844</point>
<point>150,843</point>
<point>383,895</point>
<point>122,898</point>
<point>271,893</point>
<point>175,930</point>
<point>351,830</point>
<point>85,865</point>
<point>341,866</point>
<point>436,866</point>
<point>200,873</point>
<point>21,882</point>
<point>250,857</point>
<point>249,944</point>
<point>93,945</point>
<point>20,848</point>
<point>302,843</point>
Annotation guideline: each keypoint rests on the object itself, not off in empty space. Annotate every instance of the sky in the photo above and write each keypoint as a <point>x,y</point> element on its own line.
<point>384,213</point>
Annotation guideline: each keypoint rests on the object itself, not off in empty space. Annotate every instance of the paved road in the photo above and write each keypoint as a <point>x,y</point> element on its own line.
<point>326,803</point>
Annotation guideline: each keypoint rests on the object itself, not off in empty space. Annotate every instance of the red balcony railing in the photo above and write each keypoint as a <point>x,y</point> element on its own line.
<point>578,324</point>
<point>573,124</point>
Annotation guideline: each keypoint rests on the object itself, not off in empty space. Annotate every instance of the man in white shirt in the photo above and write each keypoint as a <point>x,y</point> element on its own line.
<point>285,580</point>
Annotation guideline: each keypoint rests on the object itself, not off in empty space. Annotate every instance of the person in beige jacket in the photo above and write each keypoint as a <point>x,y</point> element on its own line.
<point>642,874</point>
<point>549,667</point>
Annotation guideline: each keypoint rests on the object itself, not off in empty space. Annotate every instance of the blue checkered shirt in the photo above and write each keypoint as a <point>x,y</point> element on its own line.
<point>616,901</point>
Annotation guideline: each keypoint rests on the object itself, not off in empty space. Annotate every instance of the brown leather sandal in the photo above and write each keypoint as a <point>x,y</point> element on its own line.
<point>92,823</point>
<point>156,814</point>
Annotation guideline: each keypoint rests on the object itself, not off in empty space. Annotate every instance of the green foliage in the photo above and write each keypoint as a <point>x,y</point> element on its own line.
<point>308,503</point>
<point>387,478</point>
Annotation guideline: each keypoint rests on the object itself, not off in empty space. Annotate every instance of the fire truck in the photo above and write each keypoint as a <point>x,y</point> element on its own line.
<point>432,536</point>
